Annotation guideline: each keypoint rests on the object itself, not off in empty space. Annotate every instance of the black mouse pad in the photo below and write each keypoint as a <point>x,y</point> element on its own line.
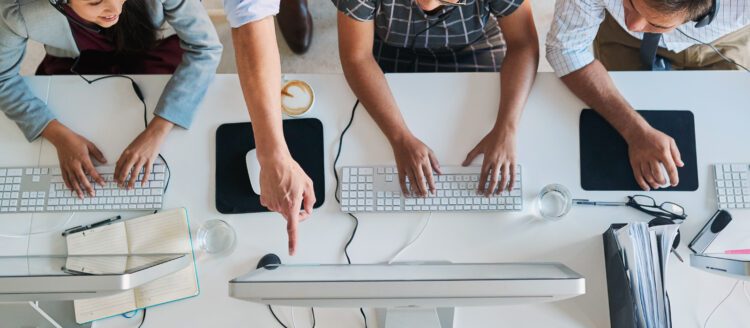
<point>605,164</point>
<point>304,138</point>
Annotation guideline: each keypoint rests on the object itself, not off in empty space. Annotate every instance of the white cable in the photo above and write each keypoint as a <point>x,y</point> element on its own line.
<point>294,323</point>
<point>36,233</point>
<point>414,240</point>
<point>720,303</point>
<point>729,60</point>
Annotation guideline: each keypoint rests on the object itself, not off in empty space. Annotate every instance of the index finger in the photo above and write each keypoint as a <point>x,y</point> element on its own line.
<point>291,230</point>
<point>427,170</point>
<point>83,180</point>
<point>671,168</point>
<point>91,171</point>
<point>512,177</point>
<point>146,172</point>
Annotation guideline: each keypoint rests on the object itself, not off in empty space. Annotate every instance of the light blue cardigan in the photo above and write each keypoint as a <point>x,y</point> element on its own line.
<point>38,20</point>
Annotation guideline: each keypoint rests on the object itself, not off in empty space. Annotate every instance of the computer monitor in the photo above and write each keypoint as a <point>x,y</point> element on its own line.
<point>413,295</point>
<point>58,280</point>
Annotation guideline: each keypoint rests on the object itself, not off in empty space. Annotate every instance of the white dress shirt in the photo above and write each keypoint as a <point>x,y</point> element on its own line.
<point>576,23</point>
<point>241,12</point>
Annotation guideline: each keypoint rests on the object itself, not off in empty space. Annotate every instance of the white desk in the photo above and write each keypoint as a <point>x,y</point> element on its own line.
<point>449,112</point>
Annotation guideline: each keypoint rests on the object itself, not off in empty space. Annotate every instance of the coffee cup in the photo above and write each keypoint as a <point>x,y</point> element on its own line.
<point>297,98</point>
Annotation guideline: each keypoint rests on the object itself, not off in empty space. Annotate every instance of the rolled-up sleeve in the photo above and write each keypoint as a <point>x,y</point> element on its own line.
<point>202,52</point>
<point>17,101</point>
<point>574,27</point>
<point>241,12</point>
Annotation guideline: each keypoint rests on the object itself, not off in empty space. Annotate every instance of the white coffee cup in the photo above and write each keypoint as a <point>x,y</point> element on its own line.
<point>297,98</point>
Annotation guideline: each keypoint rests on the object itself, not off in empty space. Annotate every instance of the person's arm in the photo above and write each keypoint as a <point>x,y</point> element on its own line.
<point>647,147</point>
<point>286,187</point>
<point>574,26</point>
<point>414,159</point>
<point>516,78</point>
<point>184,91</point>
<point>33,116</point>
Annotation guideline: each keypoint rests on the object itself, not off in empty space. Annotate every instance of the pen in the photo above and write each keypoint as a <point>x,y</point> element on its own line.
<point>737,251</point>
<point>90,226</point>
<point>596,203</point>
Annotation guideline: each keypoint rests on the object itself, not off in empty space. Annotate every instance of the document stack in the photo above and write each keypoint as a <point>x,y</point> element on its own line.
<point>636,258</point>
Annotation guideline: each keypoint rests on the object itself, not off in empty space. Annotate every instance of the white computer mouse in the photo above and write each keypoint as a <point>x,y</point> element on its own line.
<point>253,170</point>
<point>665,174</point>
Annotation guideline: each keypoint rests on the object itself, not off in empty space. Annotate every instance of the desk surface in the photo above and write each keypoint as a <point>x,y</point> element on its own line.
<point>449,112</point>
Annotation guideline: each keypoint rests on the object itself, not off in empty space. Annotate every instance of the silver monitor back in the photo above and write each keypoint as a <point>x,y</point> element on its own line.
<point>59,278</point>
<point>412,293</point>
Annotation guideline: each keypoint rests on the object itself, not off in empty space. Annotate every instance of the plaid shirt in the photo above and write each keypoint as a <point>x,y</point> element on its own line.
<point>467,39</point>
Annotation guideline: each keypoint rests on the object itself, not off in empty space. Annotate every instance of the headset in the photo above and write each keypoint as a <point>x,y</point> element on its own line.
<point>703,20</point>
<point>58,4</point>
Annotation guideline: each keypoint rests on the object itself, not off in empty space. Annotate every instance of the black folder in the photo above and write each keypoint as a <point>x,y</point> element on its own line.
<point>234,195</point>
<point>621,303</point>
<point>622,312</point>
<point>605,164</point>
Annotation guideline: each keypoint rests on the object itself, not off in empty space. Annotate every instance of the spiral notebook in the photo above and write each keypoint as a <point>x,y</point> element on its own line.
<point>163,232</point>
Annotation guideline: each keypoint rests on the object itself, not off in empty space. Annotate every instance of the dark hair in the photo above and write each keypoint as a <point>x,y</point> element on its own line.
<point>134,32</point>
<point>693,8</point>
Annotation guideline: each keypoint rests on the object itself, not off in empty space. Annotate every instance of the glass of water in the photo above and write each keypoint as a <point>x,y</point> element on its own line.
<point>554,202</point>
<point>216,237</point>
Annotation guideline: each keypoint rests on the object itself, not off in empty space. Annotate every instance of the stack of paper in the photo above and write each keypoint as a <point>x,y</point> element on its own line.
<point>645,252</point>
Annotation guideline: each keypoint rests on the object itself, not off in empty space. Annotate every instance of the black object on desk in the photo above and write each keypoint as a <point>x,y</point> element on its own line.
<point>605,164</point>
<point>621,303</point>
<point>234,195</point>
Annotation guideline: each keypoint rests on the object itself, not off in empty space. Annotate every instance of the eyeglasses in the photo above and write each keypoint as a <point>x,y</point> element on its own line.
<point>452,3</point>
<point>665,213</point>
<point>667,210</point>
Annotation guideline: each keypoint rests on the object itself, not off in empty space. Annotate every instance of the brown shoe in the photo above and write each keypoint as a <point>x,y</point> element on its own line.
<point>296,24</point>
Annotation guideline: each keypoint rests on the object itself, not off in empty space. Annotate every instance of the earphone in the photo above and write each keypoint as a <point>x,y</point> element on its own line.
<point>709,16</point>
<point>58,5</point>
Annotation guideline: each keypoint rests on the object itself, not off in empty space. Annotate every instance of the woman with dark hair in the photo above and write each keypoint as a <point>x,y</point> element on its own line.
<point>107,37</point>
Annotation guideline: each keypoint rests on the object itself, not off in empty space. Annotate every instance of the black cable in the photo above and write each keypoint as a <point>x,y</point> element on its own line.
<point>338,199</point>
<point>143,318</point>
<point>277,318</point>
<point>139,94</point>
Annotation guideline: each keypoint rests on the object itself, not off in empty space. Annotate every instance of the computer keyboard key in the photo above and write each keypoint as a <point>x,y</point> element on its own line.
<point>455,191</point>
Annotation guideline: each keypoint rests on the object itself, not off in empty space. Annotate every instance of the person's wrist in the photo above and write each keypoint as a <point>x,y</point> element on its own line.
<point>636,132</point>
<point>275,156</point>
<point>159,127</point>
<point>503,131</point>
<point>56,132</point>
<point>399,137</point>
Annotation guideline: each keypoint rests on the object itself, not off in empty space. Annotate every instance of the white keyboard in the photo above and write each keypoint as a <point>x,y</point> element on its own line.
<point>732,185</point>
<point>41,189</point>
<point>376,189</point>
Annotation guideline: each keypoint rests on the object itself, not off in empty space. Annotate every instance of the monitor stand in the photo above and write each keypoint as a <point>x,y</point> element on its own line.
<point>415,317</point>
<point>50,314</point>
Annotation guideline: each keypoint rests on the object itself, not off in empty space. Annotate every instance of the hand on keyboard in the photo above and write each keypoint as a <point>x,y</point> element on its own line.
<point>141,153</point>
<point>415,162</point>
<point>499,151</point>
<point>74,153</point>
<point>286,189</point>
<point>646,151</point>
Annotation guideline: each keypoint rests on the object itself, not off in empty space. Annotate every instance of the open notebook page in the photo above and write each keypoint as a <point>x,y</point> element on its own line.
<point>101,307</point>
<point>110,239</point>
<point>165,232</point>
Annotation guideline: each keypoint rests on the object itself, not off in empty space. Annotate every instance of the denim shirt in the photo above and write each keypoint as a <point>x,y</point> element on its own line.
<point>38,20</point>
